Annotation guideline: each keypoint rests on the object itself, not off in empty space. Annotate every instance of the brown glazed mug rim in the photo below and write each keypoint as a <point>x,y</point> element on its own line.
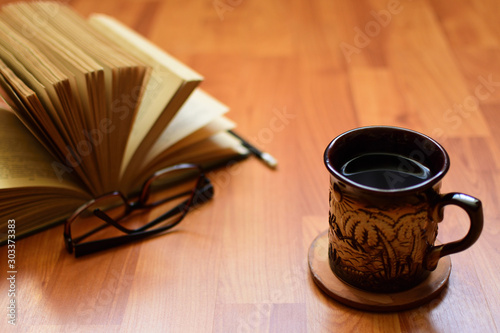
<point>437,174</point>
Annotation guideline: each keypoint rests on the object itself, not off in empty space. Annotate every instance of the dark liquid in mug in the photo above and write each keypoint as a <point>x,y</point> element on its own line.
<point>385,171</point>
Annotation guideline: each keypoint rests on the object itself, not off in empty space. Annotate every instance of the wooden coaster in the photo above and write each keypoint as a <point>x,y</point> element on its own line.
<point>357,298</point>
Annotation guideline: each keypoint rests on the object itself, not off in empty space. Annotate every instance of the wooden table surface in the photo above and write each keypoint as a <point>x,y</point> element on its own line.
<point>296,74</point>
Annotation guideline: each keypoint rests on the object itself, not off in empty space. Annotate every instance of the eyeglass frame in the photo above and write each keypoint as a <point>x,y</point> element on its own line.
<point>202,192</point>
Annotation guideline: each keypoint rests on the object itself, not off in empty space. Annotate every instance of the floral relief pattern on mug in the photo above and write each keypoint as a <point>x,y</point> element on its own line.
<point>376,248</point>
<point>385,206</point>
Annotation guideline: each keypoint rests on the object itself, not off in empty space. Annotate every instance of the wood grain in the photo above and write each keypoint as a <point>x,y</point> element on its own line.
<point>239,263</point>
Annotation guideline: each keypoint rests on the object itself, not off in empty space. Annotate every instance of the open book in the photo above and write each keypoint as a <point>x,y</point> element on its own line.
<point>94,108</point>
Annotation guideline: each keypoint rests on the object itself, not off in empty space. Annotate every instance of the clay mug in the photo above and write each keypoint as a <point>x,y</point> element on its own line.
<point>385,206</point>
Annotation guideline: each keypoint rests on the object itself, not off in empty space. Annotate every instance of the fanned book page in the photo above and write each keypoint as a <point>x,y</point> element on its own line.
<point>170,85</point>
<point>27,179</point>
<point>94,108</point>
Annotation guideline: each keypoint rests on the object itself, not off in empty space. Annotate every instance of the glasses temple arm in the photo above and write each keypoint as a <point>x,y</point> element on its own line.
<point>105,244</point>
<point>202,195</point>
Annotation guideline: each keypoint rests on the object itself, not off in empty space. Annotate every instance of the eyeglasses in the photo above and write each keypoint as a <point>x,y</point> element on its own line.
<point>93,226</point>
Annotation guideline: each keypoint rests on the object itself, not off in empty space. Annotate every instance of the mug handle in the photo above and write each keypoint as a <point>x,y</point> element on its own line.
<point>474,209</point>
